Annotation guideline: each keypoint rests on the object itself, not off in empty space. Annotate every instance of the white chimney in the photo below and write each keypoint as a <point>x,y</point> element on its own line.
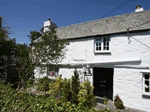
<point>47,24</point>
<point>139,8</point>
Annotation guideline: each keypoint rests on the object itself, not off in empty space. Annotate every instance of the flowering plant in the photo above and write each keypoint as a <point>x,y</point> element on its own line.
<point>118,102</point>
<point>117,99</point>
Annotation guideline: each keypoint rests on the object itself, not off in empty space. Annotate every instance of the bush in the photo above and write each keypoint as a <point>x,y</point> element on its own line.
<point>66,90</point>
<point>55,88</point>
<point>13,100</point>
<point>75,87</point>
<point>85,96</point>
<point>13,76</point>
<point>61,89</point>
<point>70,90</point>
<point>43,84</point>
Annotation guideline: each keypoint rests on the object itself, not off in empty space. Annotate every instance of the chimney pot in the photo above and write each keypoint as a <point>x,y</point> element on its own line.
<point>49,19</point>
<point>139,8</point>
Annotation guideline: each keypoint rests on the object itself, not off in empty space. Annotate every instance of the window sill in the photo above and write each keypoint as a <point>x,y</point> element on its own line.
<point>102,51</point>
<point>146,94</point>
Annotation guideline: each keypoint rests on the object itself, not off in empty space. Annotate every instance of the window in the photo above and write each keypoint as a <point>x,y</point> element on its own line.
<point>52,73</point>
<point>146,83</point>
<point>102,45</point>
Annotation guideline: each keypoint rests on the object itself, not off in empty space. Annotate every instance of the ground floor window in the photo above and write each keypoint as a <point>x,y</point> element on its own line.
<point>52,73</point>
<point>146,83</point>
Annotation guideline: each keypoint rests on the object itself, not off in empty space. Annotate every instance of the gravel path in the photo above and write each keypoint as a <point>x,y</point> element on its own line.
<point>33,90</point>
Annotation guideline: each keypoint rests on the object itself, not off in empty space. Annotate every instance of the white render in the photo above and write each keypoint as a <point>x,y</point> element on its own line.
<point>139,10</point>
<point>127,77</point>
<point>47,24</point>
<point>128,55</point>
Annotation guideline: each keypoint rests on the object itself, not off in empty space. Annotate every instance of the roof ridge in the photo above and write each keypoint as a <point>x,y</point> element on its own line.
<point>102,19</point>
<point>109,25</point>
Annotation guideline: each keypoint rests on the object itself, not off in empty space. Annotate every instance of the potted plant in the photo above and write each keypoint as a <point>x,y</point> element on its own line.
<point>118,102</point>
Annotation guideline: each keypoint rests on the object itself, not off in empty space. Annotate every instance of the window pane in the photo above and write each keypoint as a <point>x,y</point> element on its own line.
<point>99,44</point>
<point>96,44</point>
<point>146,89</point>
<point>147,83</point>
<point>96,48</point>
<point>107,48</point>
<point>104,44</point>
<point>107,43</point>
<point>104,39</point>
<point>99,48</point>
<point>98,39</point>
<point>107,39</point>
<point>146,76</point>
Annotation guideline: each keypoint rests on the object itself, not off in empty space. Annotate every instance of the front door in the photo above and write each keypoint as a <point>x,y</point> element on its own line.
<point>103,82</point>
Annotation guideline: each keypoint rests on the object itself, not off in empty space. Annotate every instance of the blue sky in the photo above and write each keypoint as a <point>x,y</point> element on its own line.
<point>28,15</point>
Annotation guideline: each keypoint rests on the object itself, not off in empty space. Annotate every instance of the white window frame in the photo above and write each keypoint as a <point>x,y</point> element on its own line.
<point>102,45</point>
<point>146,93</point>
<point>145,72</point>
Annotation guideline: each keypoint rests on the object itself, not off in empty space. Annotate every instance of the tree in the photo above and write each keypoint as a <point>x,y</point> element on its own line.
<point>24,64</point>
<point>6,50</point>
<point>49,51</point>
<point>34,35</point>
<point>45,54</point>
<point>3,30</point>
<point>6,45</point>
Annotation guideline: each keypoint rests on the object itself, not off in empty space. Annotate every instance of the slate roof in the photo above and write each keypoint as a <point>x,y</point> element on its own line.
<point>110,25</point>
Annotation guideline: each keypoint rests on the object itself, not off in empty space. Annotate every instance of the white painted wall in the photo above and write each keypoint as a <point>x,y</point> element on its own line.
<point>120,49</point>
<point>68,72</point>
<point>127,82</point>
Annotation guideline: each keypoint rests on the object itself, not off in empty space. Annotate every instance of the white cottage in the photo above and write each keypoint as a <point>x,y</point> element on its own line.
<point>117,52</point>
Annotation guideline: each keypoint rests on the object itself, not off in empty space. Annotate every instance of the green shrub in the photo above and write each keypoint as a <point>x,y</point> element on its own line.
<point>56,87</point>
<point>66,90</point>
<point>61,89</point>
<point>12,101</point>
<point>75,87</point>
<point>70,90</point>
<point>85,96</point>
<point>43,84</point>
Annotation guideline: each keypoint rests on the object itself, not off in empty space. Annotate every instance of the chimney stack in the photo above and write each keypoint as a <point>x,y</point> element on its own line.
<point>139,8</point>
<point>49,23</point>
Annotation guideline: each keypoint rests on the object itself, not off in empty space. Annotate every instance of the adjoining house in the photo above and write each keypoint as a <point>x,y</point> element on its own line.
<point>113,54</point>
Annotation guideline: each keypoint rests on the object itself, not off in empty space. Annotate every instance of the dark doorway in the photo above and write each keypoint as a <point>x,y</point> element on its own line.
<point>103,82</point>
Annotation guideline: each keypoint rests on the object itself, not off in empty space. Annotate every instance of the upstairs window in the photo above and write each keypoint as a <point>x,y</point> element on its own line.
<point>102,45</point>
